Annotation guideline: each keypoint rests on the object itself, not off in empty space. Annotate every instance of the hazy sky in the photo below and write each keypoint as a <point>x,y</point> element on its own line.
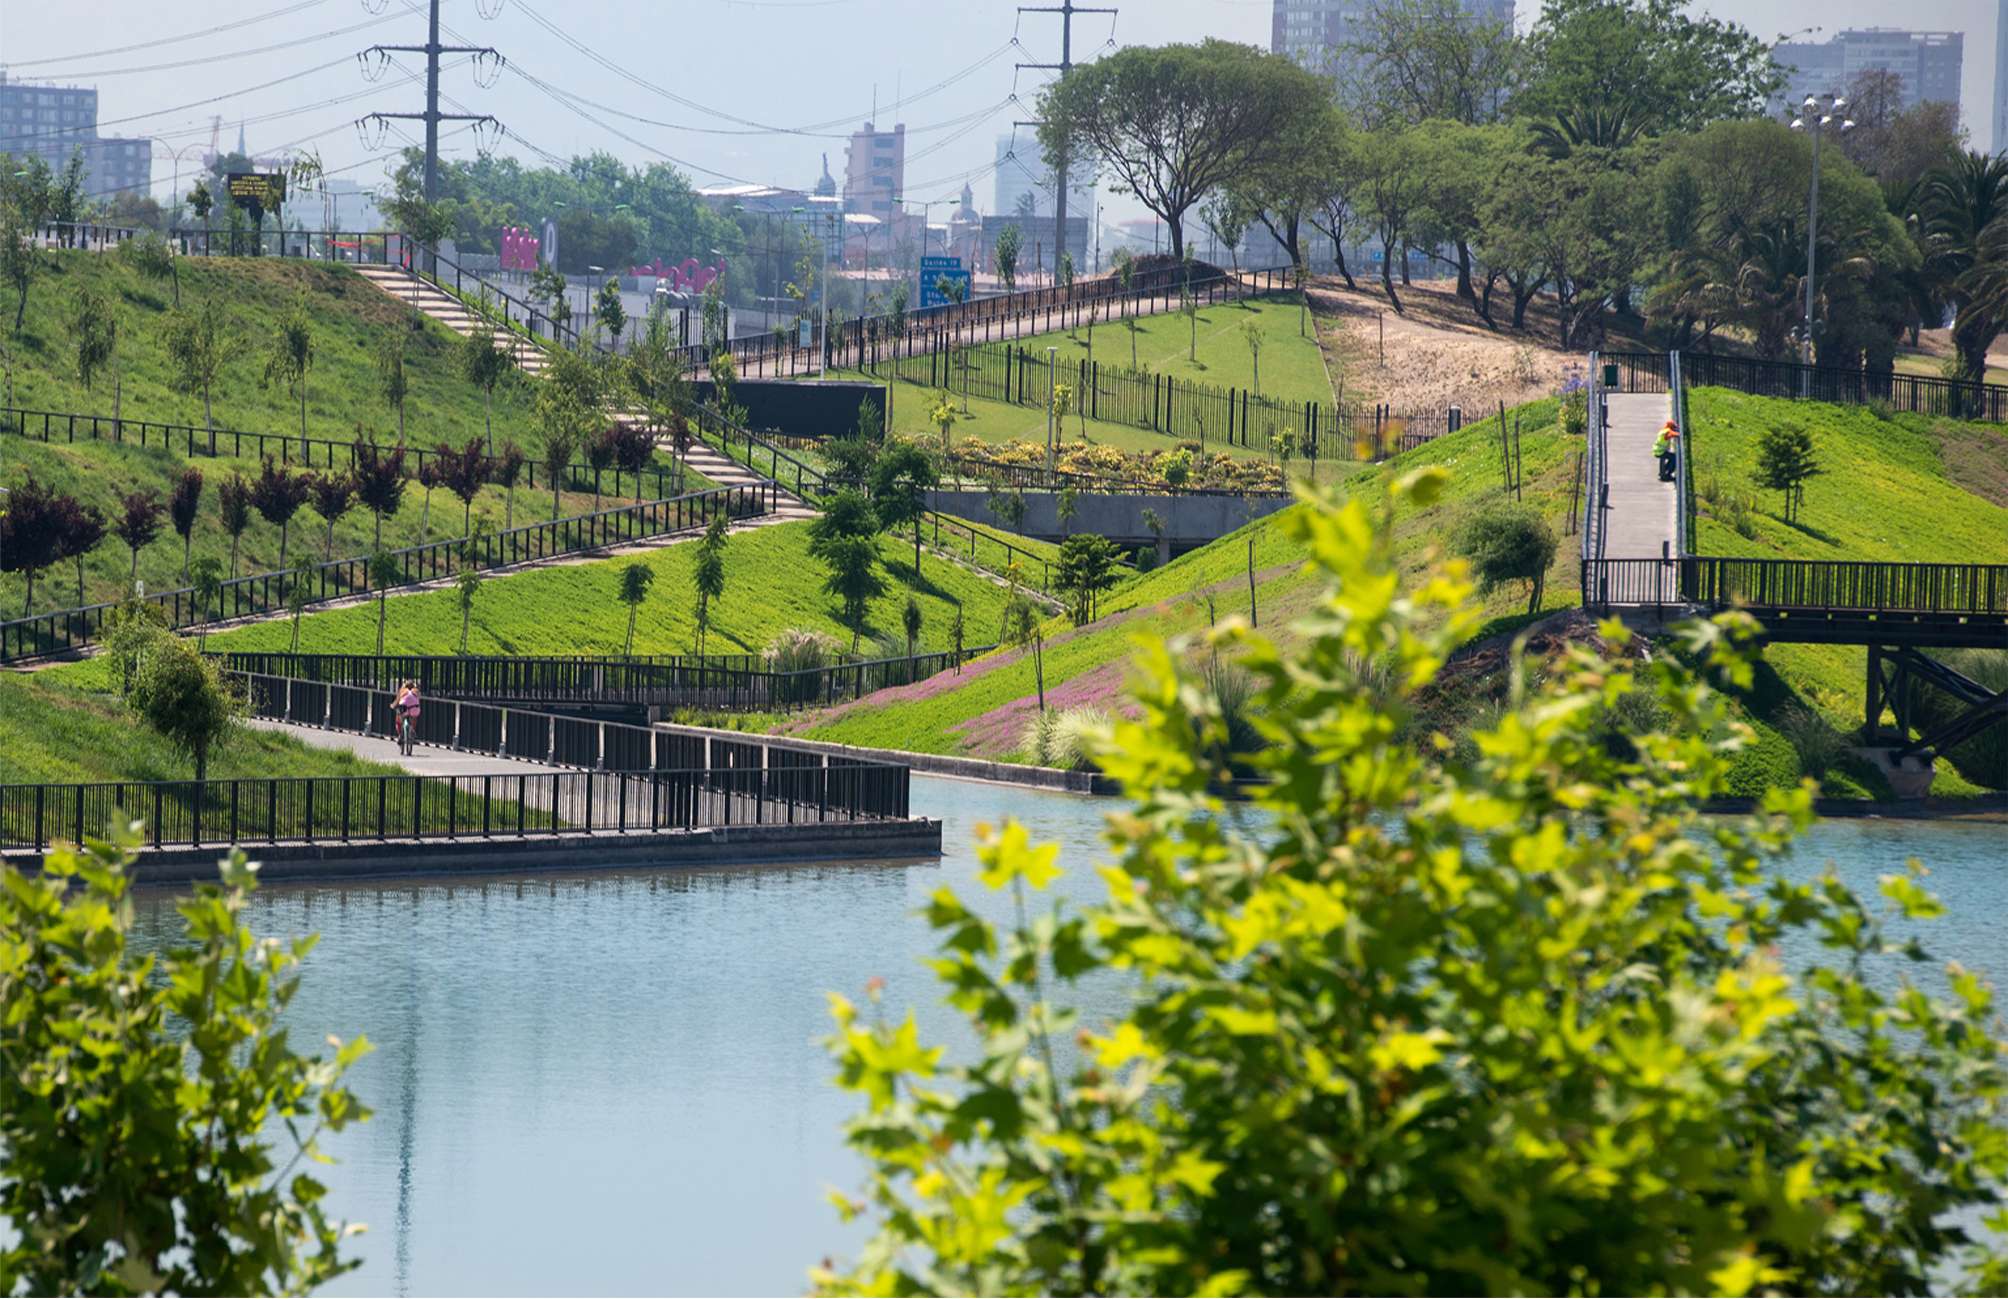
<point>769,63</point>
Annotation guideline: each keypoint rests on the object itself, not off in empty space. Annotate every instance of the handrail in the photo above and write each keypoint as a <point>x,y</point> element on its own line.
<point>1683,458</point>
<point>1040,478</point>
<point>1923,394</point>
<point>1594,468</point>
<point>259,593</point>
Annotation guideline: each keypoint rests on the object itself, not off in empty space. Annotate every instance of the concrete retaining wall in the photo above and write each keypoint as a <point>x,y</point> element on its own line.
<point>933,764</point>
<point>1189,521</point>
<point>739,845</point>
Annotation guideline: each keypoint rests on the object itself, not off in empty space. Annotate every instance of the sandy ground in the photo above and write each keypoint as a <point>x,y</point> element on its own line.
<point>1435,352</point>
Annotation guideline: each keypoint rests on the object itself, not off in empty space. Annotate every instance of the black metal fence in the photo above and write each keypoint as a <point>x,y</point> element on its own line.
<point>261,593</point>
<point>1914,393</point>
<point>503,804</point>
<point>720,683</point>
<point>1176,408</point>
<point>1801,585</point>
<point>656,481</point>
<point>983,549</point>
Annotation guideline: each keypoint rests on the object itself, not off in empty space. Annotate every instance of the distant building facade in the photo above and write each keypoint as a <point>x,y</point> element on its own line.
<point>1927,63</point>
<point>54,122</point>
<point>1025,181</point>
<point>1036,258</point>
<point>1319,34</point>
<point>875,170</point>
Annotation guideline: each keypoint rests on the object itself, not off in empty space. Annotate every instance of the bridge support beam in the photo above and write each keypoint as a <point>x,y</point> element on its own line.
<point>1894,677</point>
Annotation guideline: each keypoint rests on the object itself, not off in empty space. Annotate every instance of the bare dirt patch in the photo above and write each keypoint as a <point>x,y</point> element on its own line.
<point>1435,352</point>
<point>1973,458</point>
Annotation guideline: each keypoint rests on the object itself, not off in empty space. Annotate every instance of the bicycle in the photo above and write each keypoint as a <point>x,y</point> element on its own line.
<point>407,728</point>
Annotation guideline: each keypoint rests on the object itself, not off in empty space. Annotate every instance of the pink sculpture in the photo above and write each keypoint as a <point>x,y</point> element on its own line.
<point>688,276</point>
<point>519,249</point>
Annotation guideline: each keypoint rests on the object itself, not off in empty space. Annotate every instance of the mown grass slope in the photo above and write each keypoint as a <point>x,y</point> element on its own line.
<point>100,473</point>
<point>349,315</point>
<point>772,585</point>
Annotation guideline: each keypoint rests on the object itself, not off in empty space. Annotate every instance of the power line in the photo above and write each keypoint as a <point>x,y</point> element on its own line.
<point>1066,9</point>
<point>234,54</point>
<point>432,117</point>
<point>162,112</point>
<point>169,40</point>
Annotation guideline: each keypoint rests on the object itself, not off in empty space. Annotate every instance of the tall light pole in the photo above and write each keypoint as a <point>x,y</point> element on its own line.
<point>1816,116</point>
<point>1052,388</point>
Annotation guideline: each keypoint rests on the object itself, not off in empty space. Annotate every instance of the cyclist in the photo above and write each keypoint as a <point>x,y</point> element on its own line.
<point>406,709</point>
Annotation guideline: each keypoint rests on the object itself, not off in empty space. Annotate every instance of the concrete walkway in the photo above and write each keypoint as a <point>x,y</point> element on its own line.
<point>1640,523</point>
<point>425,760</point>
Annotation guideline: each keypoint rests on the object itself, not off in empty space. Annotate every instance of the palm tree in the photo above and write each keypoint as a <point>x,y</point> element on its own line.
<point>1963,204</point>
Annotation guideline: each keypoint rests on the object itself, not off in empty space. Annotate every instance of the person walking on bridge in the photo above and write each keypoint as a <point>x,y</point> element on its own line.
<point>1666,448</point>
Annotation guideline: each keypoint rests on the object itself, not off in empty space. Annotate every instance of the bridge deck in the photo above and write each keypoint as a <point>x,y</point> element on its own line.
<point>1640,521</point>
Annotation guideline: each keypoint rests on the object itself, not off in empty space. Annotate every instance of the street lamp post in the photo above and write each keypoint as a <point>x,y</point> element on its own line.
<point>1052,387</point>
<point>1816,117</point>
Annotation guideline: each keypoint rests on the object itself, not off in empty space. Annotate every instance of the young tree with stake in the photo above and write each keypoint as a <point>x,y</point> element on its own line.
<point>709,578</point>
<point>277,496</point>
<point>290,355</point>
<point>636,578</point>
<point>485,365</point>
<point>384,574</point>
<point>393,384</point>
<point>80,528</point>
<point>380,481</point>
<point>333,494</point>
<point>196,346</point>
<point>233,507</point>
<point>184,504</point>
<point>31,534</point>
<point>138,524</point>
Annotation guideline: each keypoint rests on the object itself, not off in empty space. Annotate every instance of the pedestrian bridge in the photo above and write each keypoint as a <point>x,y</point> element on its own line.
<point>1639,562</point>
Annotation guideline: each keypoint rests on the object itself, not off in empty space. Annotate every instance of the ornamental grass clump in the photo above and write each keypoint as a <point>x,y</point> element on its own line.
<point>1511,1019</point>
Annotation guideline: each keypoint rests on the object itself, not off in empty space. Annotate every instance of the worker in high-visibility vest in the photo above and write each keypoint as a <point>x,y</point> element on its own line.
<point>1666,447</point>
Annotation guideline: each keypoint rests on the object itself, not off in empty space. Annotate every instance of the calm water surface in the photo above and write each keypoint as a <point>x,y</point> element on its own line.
<point>611,1083</point>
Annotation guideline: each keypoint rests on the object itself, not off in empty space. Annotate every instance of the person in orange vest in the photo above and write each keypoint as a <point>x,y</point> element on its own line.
<point>1667,448</point>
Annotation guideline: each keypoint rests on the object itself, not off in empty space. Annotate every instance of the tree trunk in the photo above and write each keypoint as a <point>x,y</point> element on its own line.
<point>1387,275</point>
<point>20,310</point>
<point>329,554</point>
<point>185,537</point>
<point>632,609</point>
<point>1520,301</point>
<point>400,423</point>
<point>1339,256</point>
<point>378,543</point>
<point>28,603</point>
<point>1253,620</point>
<point>234,538</point>
<point>488,418</point>
<point>509,508</point>
<point>305,453</point>
<point>425,518</point>
<point>380,619</point>
<point>208,420</point>
<point>283,529</point>
<point>80,581</point>
<point>134,579</point>
<point>916,548</point>
<point>1464,289</point>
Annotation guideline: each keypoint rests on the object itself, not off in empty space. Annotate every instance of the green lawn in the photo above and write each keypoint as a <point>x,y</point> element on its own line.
<point>1291,367</point>
<point>60,731</point>
<point>772,585</point>
<point>349,316</point>
<point>100,473</point>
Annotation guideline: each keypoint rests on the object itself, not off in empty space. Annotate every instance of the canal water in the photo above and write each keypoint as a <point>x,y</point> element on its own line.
<point>612,1083</point>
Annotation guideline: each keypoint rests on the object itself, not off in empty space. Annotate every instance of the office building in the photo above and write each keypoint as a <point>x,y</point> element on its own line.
<point>1025,181</point>
<point>2000,140</point>
<point>54,122</point>
<point>1320,34</point>
<point>1927,63</point>
<point>875,171</point>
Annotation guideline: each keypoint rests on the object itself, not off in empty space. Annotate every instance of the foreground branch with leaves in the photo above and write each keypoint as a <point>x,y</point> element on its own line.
<point>1501,1017</point>
<point>156,1126</point>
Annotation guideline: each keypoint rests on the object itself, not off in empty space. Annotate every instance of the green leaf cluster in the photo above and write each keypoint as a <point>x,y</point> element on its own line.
<point>147,1104</point>
<point>1499,1018</point>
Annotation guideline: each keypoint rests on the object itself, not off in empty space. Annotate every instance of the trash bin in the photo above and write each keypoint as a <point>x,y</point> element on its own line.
<point>1610,374</point>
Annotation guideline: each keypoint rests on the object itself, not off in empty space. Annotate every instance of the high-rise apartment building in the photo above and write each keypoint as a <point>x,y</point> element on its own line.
<point>1320,33</point>
<point>875,171</point>
<point>53,122</point>
<point>1927,63</point>
<point>2000,140</point>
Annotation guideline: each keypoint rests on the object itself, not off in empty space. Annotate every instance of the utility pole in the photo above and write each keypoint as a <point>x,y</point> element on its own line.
<point>432,117</point>
<point>1066,9</point>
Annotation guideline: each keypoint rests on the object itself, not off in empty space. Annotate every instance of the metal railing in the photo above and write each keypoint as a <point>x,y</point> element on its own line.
<point>1914,393</point>
<point>1039,478</point>
<point>1683,458</point>
<point>190,440</point>
<point>1596,472</point>
<point>502,804</point>
<point>1173,407</point>
<point>1807,586</point>
<point>724,683</point>
<point>984,549</point>
<point>261,593</point>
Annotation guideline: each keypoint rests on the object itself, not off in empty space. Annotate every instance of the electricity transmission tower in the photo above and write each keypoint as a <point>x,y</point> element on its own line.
<point>1066,9</point>
<point>432,117</point>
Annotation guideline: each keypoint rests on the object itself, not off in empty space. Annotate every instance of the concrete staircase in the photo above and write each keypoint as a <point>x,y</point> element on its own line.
<point>449,311</point>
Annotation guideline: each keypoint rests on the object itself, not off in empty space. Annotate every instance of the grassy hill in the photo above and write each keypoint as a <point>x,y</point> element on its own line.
<point>983,711</point>
<point>349,316</point>
<point>1291,367</point>
<point>772,585</point>
<point>1908,488</point>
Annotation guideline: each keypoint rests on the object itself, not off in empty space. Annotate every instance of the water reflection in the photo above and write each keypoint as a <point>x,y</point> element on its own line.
<point>612,1083</point>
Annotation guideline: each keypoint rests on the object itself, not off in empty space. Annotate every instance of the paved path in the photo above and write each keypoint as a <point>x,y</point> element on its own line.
<point>425,760</point>
<point>1640,523</point>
